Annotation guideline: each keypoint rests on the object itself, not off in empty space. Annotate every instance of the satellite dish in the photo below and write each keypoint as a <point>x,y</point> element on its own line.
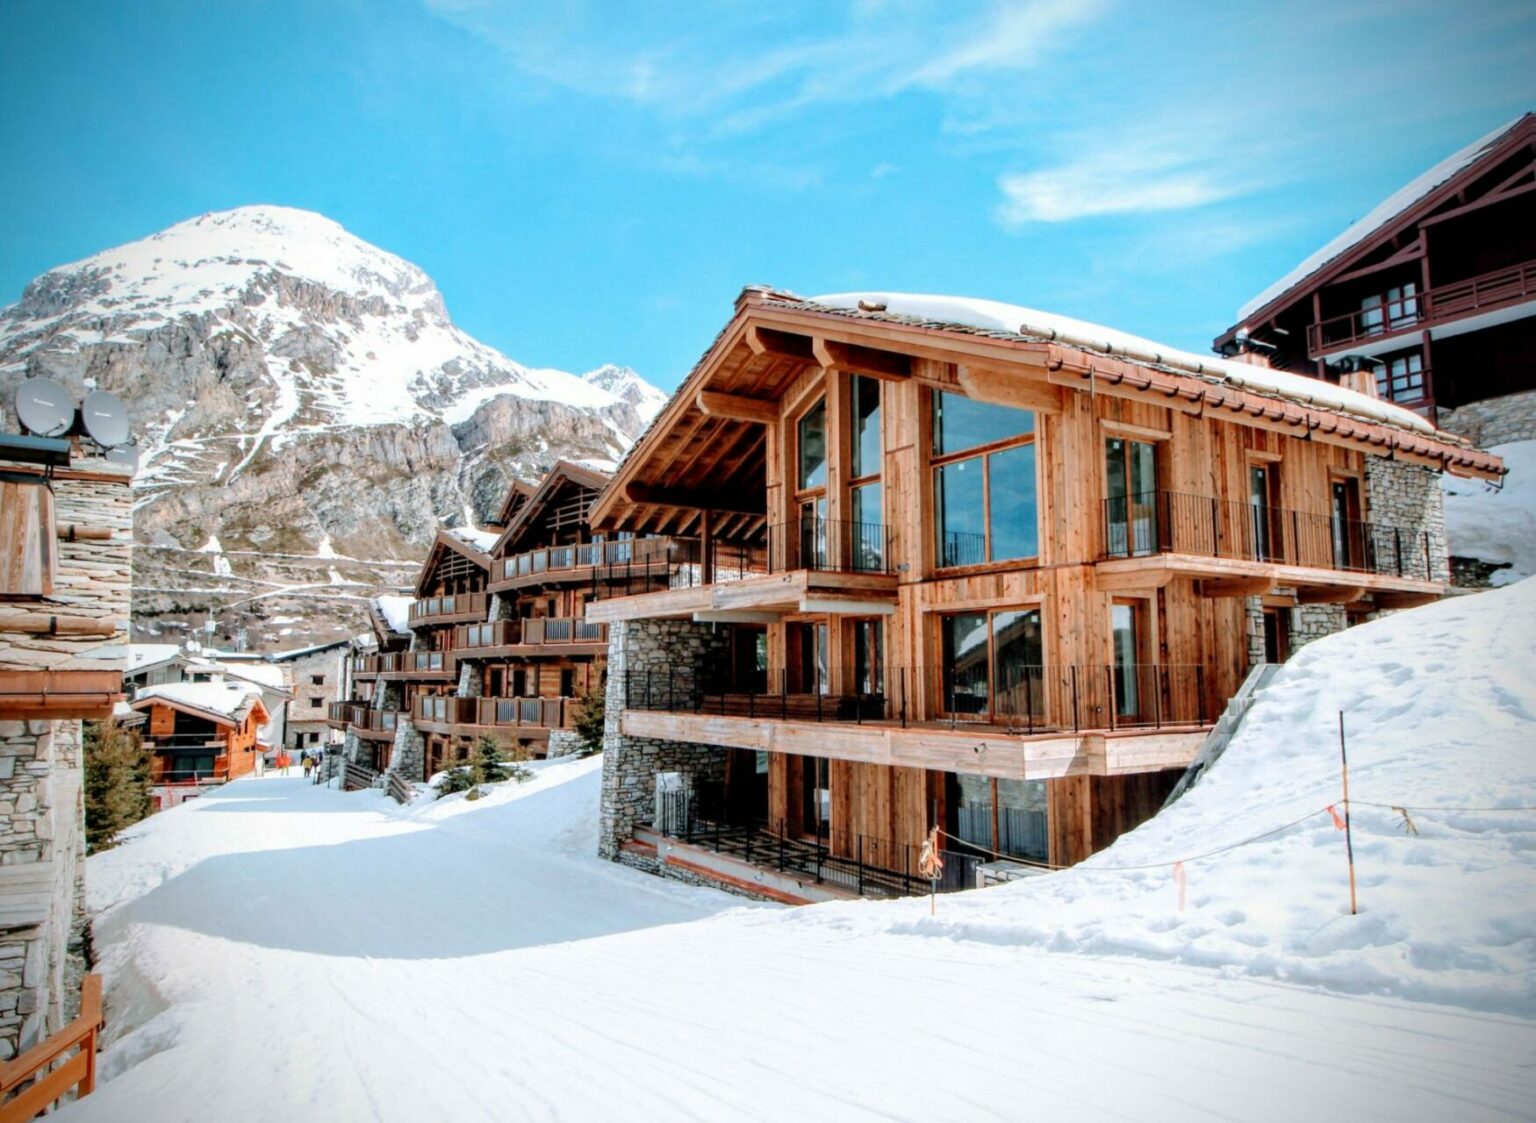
<point>124,454</point>
<point>104,418</point>
<point>44,407</point>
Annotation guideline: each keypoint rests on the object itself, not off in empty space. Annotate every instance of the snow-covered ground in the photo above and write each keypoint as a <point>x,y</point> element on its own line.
<point>277,950</point>
<point>1497,525</point>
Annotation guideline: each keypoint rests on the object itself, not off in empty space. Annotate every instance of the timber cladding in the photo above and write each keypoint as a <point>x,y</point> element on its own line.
<point>1019,563</point>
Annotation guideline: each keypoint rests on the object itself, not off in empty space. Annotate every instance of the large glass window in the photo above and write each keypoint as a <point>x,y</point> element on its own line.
<point>868,531</point>
<point>865,450</point>
<point>984,500</point>
<point>1130,476</point>
<point>992,663</point>
<point>813,447</point>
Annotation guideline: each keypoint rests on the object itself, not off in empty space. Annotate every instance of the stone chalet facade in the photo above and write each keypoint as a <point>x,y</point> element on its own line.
<point>65,558</point>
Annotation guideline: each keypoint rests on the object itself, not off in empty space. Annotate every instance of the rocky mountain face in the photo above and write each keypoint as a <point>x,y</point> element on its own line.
<point>307,415</point>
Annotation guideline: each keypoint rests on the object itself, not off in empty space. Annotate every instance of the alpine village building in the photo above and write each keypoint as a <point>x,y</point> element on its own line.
<point>65,557</point>
<point>1431,297</point>
<point>921,570</point>
<point>498,645</point>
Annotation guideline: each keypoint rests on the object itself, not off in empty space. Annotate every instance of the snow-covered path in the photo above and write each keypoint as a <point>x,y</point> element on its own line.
<point>280,951</point>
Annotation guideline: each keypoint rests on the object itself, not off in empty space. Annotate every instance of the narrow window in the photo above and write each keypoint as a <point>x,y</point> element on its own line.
<point>1131,501</point>
<point>813,447</point>
<point>985,504</point>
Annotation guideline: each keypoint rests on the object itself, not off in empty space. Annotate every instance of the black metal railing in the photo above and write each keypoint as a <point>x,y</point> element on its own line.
<point>865,865</point>
<point>823,545</point>
<point>1168,522</point>
<point>1016,698</point>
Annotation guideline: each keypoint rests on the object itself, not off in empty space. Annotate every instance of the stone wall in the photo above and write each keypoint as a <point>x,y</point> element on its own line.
<point>1307,623</point>
<point>42,821</point>
<point>630,764</point>
<point>1408,497</point>
<point>409,757</point>
<point>1495,421</point>
<point>564,742</point>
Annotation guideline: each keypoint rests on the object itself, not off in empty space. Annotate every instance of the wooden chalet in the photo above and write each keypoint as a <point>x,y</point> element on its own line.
<point>500,644</point>
<point>899,565</point>
<point>202,732</point>
<point>1430,299</point>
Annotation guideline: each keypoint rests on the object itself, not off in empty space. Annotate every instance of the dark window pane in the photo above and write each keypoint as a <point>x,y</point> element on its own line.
<point>964,642</point>
<point>813,447</point>
<point>1017,678</point>
<point>866,427</point>
<point>960,514</point>
<point>960,423</point>
<point>868,531</point>
<point>1015,521</point>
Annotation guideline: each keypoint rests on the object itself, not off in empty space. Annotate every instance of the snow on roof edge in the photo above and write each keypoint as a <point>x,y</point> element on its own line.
<point>1016,319</point>
<point>1379,216</point>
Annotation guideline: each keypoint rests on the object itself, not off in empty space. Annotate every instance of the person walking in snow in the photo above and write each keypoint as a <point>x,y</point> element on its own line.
<point>309,765</point>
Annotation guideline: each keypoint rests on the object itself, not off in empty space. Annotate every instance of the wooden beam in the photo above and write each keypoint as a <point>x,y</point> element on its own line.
<point>1132,580</point>
<point>871,361</point>
<point>823,353</point>
<point>735,616</point>
<point>1237,587</point>
<point>846,607</point>
<point>1009,388</point>
<point>767,341</point>
<point>1330,594</point>
<point>692,500</point>
<point>735,407</point>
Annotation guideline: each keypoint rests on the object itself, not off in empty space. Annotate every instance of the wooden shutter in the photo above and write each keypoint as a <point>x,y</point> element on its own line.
<point>28,549</point>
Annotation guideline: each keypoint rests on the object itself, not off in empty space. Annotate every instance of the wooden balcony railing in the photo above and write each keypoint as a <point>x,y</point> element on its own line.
<point>403,663</point>
<point>541,631</point>
<point>447,608</point>
<point>544,713</point>
<point>51,1081</point>
<point>1451,301</point>
<point>575,559</point>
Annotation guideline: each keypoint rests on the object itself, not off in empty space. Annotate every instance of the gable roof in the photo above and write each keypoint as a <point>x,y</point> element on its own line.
<point>222,702</point>
<point>960,329</point>
<point>1407,203</point>
<point>564,472</point>
<point>518,493</point>
<point>446,542</point>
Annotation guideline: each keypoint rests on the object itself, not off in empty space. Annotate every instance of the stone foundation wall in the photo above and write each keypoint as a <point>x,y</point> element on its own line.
<point>1308,622</point>
<point>564,742</point>
<point>42,819</point>
<point>630,764</point>
<point>409,756</point>
<point>1409,497</point>
<point>1494,422</point>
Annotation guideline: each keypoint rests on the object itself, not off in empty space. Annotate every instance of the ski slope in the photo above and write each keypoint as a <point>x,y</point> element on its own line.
<point>278,950</point>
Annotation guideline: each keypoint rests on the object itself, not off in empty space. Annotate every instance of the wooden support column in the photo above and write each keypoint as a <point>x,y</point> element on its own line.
<point>707,547</point>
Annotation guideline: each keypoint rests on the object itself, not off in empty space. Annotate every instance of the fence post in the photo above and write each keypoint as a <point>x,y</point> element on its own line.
<point>1397,549</point>
<point>860,862</point>
<point>1114,703</point>
<point>1074,698</point>
<point>1200,692</point>
<point>903,677</point>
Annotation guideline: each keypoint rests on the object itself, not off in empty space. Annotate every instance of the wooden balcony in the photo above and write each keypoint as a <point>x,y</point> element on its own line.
<point>531,717</point>
<point>403,666</point>
<point>454,608</point>
<point>574,564</point>
<point>1046,722</point>
<point>550,635</point>
<point>378,725</point>
<point>1243,549</point>
<point>1488,292</point>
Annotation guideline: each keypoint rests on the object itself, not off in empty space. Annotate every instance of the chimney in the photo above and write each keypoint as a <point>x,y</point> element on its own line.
<point>1360,381</point>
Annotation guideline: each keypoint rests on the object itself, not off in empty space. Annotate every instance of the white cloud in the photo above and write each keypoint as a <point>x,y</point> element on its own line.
<point>1101,186</point>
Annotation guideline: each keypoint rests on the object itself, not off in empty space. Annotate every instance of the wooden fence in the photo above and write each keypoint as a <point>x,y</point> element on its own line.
<point>48,1084</point>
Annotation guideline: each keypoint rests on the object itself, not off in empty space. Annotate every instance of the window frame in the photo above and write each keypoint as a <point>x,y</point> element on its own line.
<point>983,452</point>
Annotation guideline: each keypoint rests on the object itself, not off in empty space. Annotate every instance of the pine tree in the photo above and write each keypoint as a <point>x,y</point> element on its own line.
<point>590,717</point>
<point>117,787</point>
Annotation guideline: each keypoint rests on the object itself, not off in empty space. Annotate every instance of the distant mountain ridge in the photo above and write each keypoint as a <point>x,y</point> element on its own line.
<point>305,405</point>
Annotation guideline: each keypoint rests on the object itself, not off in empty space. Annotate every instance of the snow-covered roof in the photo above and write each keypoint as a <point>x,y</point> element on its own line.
<point>267,675</point>
<point>396,612</point>
<point>1380,215</point>
<point>137,656</point>
<point>1030,323</point>
<point>481,540</point>
<point>231,700</point>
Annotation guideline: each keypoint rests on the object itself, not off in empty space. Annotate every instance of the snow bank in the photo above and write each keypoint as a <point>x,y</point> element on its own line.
<point>1440,712</point>
<point>1496,526</point>
<point>993,315</point>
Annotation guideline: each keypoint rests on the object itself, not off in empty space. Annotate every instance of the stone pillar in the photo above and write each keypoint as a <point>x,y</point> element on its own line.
<point>1408,497</point>
<point>1307,623</point>
<point>352,746</point>
<point>630,764</point>
<point>41,803</point>
<point>410,753</point>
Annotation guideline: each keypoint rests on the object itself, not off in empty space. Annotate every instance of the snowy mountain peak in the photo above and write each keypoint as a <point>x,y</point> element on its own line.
<point>624,384</point>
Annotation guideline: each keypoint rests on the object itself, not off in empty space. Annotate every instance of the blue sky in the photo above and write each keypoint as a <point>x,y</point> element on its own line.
<point>593,182</point>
